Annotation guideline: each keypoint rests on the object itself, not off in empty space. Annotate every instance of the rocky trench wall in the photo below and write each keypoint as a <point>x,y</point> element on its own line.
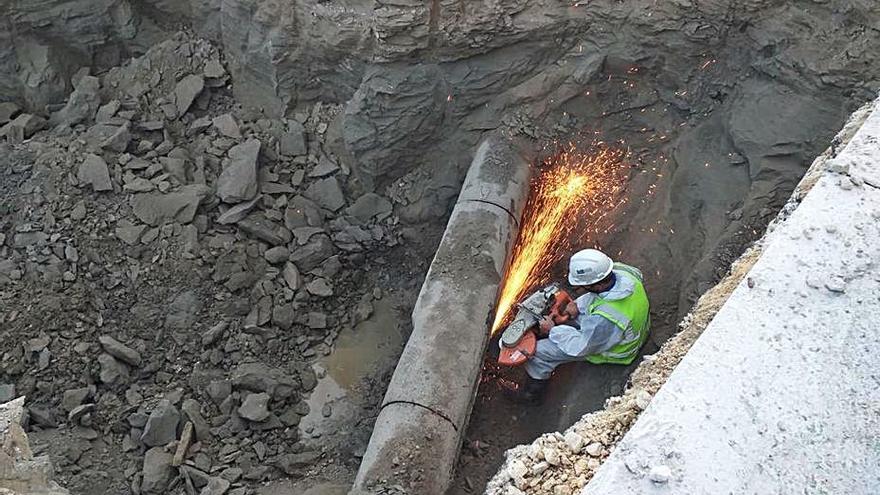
<point>414,73</point>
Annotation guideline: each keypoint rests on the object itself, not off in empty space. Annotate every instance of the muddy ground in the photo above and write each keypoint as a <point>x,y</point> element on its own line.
<point>294,276</point>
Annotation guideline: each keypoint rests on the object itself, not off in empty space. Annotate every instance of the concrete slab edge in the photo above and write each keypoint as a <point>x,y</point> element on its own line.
<point>787,368</point>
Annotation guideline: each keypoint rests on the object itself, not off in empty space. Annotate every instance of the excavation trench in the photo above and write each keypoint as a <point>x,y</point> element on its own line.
<point>717,106</point>
<point>701,187</point>
<point>709,159</point>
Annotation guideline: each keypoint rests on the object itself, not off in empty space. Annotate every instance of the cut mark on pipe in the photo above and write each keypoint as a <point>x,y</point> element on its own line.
<point>438,413</point>
<point>506,210</point>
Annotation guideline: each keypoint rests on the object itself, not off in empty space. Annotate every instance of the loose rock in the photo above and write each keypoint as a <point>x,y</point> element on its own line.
<point>94,172</point>
<point>120,350</point>
<point>161,427</point>
<point>157,471</point>
<point>186,91</point>
<point>238,181</point>
<point>327,193</point>
<point>255,407</point>
<point>227,126</point>
<point>319,287</point>
<point>181,206</point>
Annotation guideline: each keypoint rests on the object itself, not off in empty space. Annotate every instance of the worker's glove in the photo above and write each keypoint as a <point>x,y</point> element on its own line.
<point>546,324</point>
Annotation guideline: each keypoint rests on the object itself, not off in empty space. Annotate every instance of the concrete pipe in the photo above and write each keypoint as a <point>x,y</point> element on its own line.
<point>424,414</point>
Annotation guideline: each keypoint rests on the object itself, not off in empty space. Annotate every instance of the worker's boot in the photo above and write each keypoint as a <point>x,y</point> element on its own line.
<point>531,392</point>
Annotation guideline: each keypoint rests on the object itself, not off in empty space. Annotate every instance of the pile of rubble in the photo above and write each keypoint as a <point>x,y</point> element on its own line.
<point>169,263</point>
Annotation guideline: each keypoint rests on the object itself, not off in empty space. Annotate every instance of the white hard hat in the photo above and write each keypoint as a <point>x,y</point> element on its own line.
<point>588,266</point>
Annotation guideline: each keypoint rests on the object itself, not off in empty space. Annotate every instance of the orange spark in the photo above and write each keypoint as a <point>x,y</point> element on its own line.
<point>568,202</point>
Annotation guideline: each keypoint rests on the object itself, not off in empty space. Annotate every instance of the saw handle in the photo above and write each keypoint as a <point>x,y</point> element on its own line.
<point>557,311</point>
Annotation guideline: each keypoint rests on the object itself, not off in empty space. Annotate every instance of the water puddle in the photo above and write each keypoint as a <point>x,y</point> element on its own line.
<point>359,355</point>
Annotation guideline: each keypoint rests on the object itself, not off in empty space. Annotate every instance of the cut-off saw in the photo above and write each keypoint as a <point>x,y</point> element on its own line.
<point>520,338</point>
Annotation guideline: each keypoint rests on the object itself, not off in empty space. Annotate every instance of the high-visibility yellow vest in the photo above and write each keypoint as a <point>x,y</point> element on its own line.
<point>630,314</point>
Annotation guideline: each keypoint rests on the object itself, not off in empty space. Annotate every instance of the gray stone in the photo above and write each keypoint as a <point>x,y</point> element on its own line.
<point>8,110</point>
<point>303,212</point>
<point>157,471</point>
<point>186,91</point>
<point>137,184</point>
<point>161,427</point>
<point>227,126</point>
<point>79,412</point>
<point>112,371</point>
<point>25,239</point>
<point>275,188</point>
<point>324,168</point>
<point>74,397</point>
<point>106,112</point>
<point>238,181</point>
<point>175,167</point>
<point>291,276</point>
<point>219,390</point>
<point>309,380</point>
<point>317,320</point>
<point>214,69</point>
<point>42,417</point>
<point>292,463</point>
<point>215,486</point>
<point>308,257</point>
<point>264,229</point>
<point>82,103</point>
<point>119,350</point>
<point>369,206</point>
<point>128,232</point>
<point>7,392</point>
<point>193,410</point>
<point>293,141</point>
<point>94,172</point>
<point>326,193</point>
<point>276,254</point>
<point>183,311</point>
<point>319,287</point>
<point>303,234</point>
<point>179,206</point>
<point>255,407</point>
<point>236,212</point>
<point>118,141</point>
<point>22,127</point>
<point>283,315</point>
<point>258,377</point>
<point>78,212</point>
<point>214,333</point>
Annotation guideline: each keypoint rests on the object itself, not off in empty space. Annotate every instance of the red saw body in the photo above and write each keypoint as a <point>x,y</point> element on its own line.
<point>519,339</point>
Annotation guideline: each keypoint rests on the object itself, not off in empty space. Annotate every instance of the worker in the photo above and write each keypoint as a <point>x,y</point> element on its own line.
<point>608,325</point>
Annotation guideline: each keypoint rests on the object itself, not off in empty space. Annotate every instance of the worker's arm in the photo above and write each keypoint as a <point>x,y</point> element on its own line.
<point>596,334</point>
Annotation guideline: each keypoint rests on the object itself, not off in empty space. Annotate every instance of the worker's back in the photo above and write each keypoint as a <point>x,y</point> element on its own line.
<point>630,314</point>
